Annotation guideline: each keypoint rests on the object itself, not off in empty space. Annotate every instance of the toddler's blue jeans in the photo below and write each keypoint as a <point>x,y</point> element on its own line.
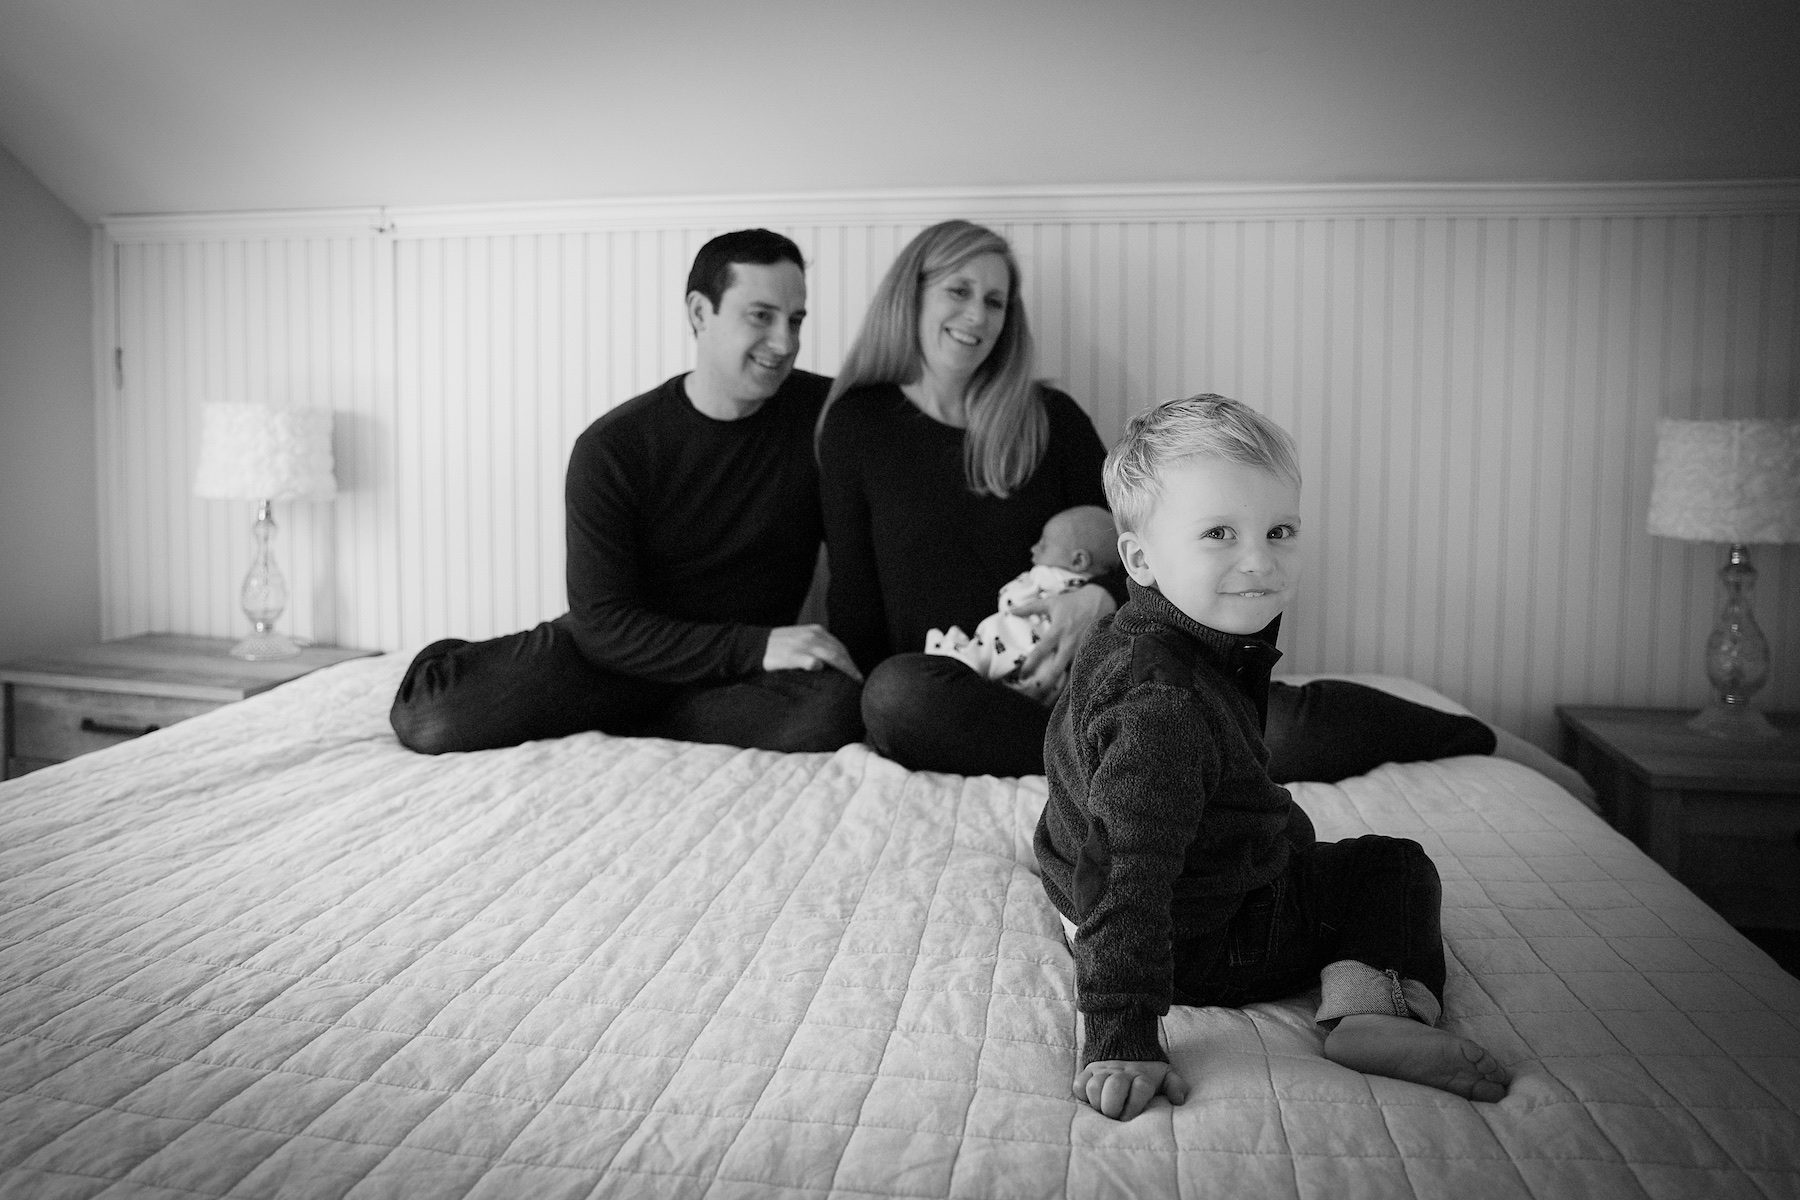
<point>1371,900</point>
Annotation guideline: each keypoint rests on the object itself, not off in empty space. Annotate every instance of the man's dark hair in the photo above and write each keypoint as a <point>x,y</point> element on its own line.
<point>712,272</point>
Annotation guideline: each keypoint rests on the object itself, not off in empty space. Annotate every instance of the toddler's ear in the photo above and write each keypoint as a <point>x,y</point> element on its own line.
<point>1081,560</point>
<point>1135,561</point>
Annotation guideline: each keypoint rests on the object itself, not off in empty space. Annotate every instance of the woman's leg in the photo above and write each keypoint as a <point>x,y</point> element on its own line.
<point>929,712</point>
<point>1331,729</point>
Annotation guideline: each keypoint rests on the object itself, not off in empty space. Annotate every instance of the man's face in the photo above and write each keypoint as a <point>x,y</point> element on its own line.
<point>745,350</point>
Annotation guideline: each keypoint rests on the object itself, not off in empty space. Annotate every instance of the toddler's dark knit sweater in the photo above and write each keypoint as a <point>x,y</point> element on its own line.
<point>1161,815</point>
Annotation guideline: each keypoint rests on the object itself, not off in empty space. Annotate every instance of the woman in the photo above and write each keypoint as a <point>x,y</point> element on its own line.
<point>940,460</point>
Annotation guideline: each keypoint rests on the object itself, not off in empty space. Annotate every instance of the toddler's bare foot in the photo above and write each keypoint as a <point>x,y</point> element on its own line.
<point>1405,1049</point>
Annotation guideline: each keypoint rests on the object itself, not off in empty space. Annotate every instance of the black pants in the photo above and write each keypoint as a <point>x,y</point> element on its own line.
<point>930,712</point>
<point>1373,899</point>
<point>460,695</point>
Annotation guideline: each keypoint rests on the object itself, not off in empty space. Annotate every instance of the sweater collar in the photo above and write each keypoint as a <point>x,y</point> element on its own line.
<point>1248,657</point>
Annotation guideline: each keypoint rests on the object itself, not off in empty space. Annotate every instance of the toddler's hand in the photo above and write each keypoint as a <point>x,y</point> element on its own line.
<point>1124,1089</point>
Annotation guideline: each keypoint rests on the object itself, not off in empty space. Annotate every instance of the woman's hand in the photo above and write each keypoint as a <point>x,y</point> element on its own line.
<point>1070,616</point>
<point>1122,1090</point>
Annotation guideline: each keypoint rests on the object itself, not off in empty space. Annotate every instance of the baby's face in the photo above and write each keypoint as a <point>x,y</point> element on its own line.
<point>1055,547</point>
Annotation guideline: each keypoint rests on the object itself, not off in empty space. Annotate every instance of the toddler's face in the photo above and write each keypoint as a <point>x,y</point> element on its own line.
<point>1221,544</point>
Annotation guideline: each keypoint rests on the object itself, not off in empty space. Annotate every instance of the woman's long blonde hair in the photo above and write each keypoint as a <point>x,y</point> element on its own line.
<point>1008,430</point>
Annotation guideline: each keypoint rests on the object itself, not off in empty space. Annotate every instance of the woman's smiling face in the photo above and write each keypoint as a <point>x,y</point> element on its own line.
<point>961,314</point>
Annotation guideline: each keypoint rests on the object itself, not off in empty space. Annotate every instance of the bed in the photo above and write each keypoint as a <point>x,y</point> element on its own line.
<point>267,952</point>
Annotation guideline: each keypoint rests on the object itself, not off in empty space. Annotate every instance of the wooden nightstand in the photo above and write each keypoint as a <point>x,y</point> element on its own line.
<point>1723,817</point>
<point>87,698</point>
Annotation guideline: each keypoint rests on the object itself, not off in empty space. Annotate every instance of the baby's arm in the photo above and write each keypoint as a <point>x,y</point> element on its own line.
<point>1122,1090</point>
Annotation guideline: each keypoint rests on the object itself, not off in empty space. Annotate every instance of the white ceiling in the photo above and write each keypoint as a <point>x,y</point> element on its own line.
<point>156,106</point>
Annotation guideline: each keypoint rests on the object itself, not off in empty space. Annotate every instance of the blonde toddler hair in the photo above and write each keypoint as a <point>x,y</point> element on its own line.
<point>1203,426</point>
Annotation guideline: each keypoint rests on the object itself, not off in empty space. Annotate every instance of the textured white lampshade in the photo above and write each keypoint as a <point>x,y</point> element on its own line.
<point>1727,481</point>
<point>1736,482</point>
<point>260,452</point>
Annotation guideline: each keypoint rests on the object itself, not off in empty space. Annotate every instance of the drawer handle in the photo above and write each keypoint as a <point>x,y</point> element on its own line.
<point>89,725</point>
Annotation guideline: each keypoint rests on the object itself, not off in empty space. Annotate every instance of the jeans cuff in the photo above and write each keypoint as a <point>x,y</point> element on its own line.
<point>1348,988</point>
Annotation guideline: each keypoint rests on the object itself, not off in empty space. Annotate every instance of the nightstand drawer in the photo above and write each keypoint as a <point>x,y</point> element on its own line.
<point>1742,855</point>
<point>52,724</point>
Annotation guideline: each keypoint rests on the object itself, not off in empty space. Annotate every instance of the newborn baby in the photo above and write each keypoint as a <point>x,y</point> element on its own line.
<point>1076,545</point>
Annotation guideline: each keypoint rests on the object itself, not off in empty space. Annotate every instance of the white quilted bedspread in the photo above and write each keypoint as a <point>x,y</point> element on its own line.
<point>267,952</point>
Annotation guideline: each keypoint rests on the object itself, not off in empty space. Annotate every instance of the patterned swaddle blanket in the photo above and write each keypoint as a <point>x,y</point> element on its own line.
<point>1002,640</point>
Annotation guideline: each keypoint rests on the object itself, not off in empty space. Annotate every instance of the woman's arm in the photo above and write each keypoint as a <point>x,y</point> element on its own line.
<point>1082,454</point>
<point>1070,615</point>
<point>1075,454</point>
<point>853,608</point>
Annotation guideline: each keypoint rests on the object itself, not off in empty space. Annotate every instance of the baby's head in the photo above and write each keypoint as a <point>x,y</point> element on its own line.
<point>1206,493</point>
<point>1080,539</point>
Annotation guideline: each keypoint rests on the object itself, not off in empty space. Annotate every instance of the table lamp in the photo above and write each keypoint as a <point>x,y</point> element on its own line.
<point>1735,482</point>
<point>264,453</point>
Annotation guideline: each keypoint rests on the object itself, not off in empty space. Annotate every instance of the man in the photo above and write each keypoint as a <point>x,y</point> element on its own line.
<point>693,527</point>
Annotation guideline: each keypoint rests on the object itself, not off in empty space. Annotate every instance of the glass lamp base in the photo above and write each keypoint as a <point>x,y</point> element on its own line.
<point>1734,721</point>
<point>265,644</point>
<point>263,596</point>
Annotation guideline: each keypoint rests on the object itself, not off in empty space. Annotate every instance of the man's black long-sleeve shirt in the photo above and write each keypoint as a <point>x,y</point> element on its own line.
<point>690,538</point>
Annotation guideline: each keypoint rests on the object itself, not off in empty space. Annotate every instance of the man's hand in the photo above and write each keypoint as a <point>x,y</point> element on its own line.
<point>1124,1089</point>
<point>807,648</point>
<point>1071,615</point>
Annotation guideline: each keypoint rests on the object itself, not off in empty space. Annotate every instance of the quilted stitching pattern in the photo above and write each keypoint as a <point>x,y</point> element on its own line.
<point>267,952</point>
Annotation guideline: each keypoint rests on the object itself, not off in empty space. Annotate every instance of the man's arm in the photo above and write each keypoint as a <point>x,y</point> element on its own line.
<point>807,648</point>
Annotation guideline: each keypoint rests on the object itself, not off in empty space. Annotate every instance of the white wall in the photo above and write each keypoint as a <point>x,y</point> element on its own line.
<point>49,574</point>
<point>1474,377</point>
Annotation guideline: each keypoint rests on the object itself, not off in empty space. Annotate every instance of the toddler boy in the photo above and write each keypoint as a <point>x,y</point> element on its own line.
<point>1184,873</point>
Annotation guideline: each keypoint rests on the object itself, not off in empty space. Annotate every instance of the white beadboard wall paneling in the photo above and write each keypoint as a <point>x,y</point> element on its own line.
<point>291,321</point>
<point>1473,373</point>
